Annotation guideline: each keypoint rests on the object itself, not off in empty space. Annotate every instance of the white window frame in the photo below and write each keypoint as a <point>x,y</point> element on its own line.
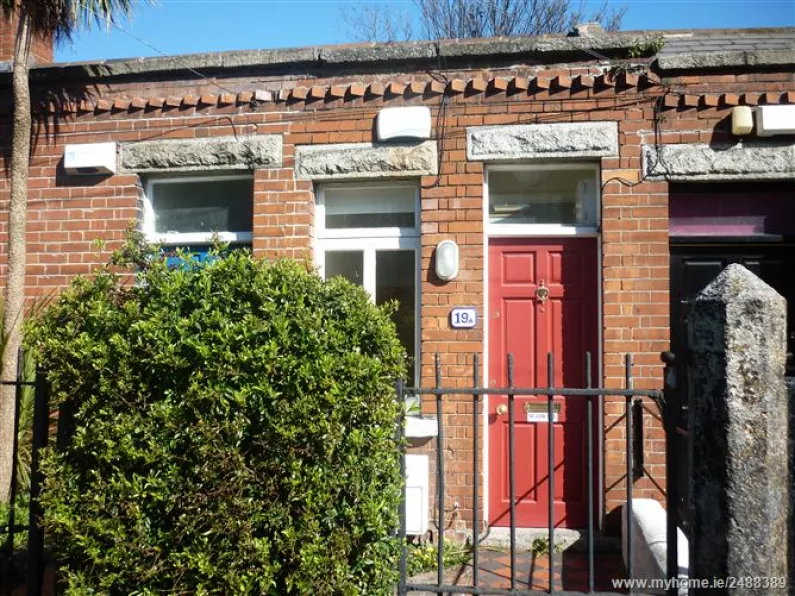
<point>390,232</point>
<point>188,238</point>
<point>369,241</point>
<point>508,230</point>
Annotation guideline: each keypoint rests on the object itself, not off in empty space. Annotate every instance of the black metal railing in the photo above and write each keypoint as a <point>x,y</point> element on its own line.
<point>633,399</point>
<point>677,469</point>
<point>31,559</point>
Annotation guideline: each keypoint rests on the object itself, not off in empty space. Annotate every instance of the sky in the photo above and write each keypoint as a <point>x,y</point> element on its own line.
<point>189,26</point>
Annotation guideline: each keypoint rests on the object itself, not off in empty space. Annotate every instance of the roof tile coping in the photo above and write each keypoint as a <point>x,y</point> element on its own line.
<point>549,47</point>
<point>371,55</point>
<point>742,48</point>
<point>726,59</point>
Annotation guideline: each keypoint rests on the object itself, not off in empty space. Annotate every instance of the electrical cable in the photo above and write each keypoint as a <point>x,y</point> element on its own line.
<point>345,113</point>
<point>441,111</point>
<point>622,180</point>
<point>113,23</point>
<point>441,115</point>
<point>659,158</point>
<point>318,114</point>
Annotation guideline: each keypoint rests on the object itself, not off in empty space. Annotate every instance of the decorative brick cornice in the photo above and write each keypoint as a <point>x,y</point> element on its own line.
<point>561,85</point>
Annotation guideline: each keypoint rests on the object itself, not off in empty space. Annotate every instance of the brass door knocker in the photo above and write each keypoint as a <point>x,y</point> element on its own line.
<point>542,292</point>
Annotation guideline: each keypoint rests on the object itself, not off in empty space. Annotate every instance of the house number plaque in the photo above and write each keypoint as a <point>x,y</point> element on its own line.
<point>463,317</point>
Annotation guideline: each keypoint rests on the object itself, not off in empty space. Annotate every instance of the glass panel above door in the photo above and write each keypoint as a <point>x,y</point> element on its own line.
<point>543,196</point>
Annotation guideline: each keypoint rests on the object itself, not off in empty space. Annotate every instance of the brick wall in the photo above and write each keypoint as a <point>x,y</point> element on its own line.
<point>67,214</point>
<point>41,50</point>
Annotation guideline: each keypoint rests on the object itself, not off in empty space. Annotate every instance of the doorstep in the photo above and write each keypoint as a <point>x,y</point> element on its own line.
<point>532,573</point>
<point>566,539</point>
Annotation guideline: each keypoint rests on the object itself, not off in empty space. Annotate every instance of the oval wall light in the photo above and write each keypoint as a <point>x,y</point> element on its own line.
<point>446,260</point>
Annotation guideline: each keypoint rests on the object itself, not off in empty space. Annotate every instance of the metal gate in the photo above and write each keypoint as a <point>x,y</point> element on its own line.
<point>31,393</point>
<point>633,403</point>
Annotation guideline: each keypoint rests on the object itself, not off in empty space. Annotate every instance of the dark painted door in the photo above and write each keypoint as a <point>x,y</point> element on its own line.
<point>693,266</point>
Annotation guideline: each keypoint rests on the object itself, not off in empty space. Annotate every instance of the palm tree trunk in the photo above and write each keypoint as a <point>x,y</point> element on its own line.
<point>15,276</point>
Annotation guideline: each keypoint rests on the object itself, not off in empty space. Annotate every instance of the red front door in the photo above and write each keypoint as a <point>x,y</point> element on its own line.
<point>528,326</point>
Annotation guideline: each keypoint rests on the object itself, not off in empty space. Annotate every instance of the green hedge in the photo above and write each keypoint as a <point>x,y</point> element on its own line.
<point>233,431</point>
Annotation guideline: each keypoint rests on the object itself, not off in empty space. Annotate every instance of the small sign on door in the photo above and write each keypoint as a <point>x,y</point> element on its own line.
<point>463,317</point>
<point>538,412</point>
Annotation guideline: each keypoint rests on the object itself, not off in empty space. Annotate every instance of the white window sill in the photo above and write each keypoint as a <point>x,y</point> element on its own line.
<point>512,230</point>
<point>340,233</point>
<point>199,238</point>
<point>421,428</point>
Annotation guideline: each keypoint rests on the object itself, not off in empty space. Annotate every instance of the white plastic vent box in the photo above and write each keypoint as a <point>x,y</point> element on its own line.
<point>775,120</point>
<point>406,123</point>
<point>90,159</point>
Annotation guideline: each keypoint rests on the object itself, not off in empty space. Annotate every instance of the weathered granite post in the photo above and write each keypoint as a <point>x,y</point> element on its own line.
<point>739,428</point>
<point>791,391</point>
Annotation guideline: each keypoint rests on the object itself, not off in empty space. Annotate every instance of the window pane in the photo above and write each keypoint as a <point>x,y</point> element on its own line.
<point>193,254</point>
<point>395,279</point>
<point>384,207</point>
<point>206,206</point>
<point>543,196</point>
<point>347,263</point>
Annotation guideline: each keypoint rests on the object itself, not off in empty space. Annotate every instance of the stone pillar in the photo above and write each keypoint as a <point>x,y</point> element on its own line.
<point>791,391</point>
<point>739,429</point>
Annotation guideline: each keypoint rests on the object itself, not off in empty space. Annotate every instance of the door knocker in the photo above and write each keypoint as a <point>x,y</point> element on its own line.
<point>542,292</point>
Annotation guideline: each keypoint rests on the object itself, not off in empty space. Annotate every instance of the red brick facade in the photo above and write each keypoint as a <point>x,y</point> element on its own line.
<point>67,214</point>
<point>41,50</point>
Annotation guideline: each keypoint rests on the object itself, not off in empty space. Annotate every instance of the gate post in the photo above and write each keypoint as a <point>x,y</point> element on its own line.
<point>41,422</point>
<point>400,396</point>
<point>672,469</point>
<point>739,428</point>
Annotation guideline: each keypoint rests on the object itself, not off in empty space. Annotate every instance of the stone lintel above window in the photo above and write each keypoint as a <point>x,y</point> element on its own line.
<point>202,155</point>
<point>526,142</point>
<point>364,161</point>
<point>749,160</point>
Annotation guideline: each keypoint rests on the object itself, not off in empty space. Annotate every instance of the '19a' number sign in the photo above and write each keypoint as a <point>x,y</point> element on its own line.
<point>463,317</point>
